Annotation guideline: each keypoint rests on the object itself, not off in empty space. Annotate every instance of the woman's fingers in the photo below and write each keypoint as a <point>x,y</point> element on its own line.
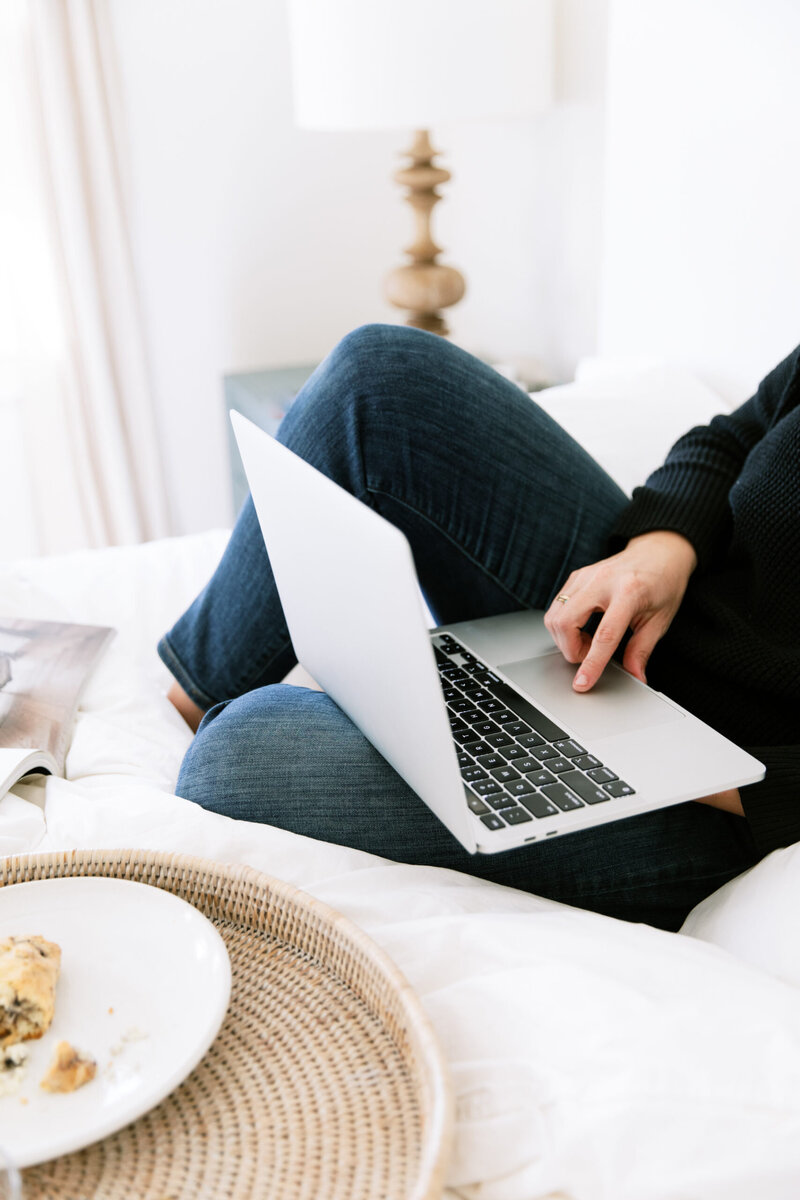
<point>607,637</point>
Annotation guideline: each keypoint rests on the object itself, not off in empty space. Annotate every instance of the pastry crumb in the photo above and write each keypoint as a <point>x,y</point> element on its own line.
<point>69,1070</point>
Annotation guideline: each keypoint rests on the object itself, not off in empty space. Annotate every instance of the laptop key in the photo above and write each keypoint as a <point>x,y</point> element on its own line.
<point>592,793</point>
<point>514,752</point>
<point>539,805</point>
<point>477,806</point>
<point>563,797</point>
<point>473,716</point>
<point>499,739</point>
<point>486,787</point>
<point>476,748</point>
<point>504,717</point>
<point>569,748</point>
<point>520,787</point>
<point>618,787</point>
<point>484,728</point>
<point>602,775</point>
<point>459,704</point>
<point>587,761</point>
<point>505,774</point>
<point>492,821</point>
<point>529,739</point>
<point>516,816</point>
<point>526,712</point>
<point>456,723</point>
<point>539,777</point>
<point>558,765</point>
<point>463,735</point>
<point>529,764</point>
<point>488,706</point>
<point>544,752</point>
<point>464,760</point>
<point>501,800</point>
<point>469,686</point>
<point>518,728</point>
<point>490,761</point>
<point>471,774</point>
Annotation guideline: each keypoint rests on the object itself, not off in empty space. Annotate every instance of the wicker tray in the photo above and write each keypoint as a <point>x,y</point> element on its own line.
<point>324,1083</point>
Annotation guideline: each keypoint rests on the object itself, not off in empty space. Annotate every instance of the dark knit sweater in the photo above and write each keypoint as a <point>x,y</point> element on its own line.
<point>732,654</point>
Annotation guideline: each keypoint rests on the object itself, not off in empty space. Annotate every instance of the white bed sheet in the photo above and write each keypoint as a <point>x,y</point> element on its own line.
<point>591,1059</point>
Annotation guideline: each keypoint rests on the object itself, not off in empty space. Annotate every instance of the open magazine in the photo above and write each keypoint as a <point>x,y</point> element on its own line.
<point>44,666</point>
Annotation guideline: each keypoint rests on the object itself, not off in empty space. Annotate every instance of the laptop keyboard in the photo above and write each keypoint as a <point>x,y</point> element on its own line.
<point>517,765</point>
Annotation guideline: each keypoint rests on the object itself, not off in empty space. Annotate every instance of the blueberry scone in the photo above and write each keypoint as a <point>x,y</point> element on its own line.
<point>69,1070</point>
<point>29,968</point>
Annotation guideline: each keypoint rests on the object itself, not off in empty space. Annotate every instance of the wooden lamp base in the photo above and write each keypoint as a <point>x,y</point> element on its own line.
<point>424,286</point>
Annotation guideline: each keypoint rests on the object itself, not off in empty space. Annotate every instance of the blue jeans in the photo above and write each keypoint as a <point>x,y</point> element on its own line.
<point>499,504</point>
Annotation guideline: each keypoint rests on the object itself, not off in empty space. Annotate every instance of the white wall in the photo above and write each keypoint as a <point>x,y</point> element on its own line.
<point>702,253</point>
<point>260,245</point>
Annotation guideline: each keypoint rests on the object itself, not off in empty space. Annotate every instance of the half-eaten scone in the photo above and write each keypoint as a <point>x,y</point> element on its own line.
<point>29,968</point>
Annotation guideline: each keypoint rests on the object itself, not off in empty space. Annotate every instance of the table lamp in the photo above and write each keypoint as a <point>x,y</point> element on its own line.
<point>413,64</point>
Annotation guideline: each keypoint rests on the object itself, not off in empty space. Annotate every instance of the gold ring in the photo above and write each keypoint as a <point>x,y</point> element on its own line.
<point>562,599</point>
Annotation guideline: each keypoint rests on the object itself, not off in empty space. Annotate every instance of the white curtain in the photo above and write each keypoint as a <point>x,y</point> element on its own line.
<point>76,410</point>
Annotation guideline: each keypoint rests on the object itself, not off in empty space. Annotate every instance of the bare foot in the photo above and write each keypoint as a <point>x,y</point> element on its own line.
<point>191,712</point>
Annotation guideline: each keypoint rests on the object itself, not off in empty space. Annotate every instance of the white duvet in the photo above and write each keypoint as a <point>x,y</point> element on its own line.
<point>591,1059</point>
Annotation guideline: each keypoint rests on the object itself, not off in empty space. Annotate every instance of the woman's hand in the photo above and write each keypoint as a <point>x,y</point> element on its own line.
<point>640,589</point>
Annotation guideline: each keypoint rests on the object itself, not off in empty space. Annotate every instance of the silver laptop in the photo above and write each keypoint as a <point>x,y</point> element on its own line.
<point>478,717</point>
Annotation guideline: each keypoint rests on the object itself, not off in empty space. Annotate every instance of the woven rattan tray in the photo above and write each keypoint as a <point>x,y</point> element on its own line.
<point>324,1083</point>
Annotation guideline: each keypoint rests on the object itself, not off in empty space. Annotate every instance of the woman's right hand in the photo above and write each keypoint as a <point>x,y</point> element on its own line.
<point>640,589</point>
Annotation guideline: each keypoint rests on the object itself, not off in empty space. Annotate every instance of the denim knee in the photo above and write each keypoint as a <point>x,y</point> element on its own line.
<point>240,745</point>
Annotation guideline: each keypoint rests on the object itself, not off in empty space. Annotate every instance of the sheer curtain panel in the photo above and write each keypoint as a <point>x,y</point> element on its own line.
<point>76,410</point>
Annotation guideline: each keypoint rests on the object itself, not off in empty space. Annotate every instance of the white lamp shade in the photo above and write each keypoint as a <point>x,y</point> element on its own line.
<point>413,64</point>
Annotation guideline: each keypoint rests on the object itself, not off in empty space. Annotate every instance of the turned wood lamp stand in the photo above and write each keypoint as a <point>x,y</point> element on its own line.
<point>419,64</point>
<point>424,286</point>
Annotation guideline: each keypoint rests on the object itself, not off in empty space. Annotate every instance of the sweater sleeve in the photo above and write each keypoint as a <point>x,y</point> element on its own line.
<point>689,493</point>
<point>772,807</point>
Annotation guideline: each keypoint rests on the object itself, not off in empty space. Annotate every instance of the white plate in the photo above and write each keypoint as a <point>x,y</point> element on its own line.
<point>145,983</point>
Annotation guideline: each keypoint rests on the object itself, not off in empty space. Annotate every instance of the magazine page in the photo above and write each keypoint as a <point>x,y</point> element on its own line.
<point>45,665</point>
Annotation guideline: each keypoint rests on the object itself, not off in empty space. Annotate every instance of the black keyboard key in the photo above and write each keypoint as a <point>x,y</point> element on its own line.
<point>529,739</point>
<point>518,728</point>
<point>526,712</point>
<point>516,816</point>
<point>459,704</point>
<point>469,686</point>
<point>441,657</point>
<point>618,787</point>
<point>602,775</point>
<point>559,764</point>
<point>457,723</point>
<point>588,791</point>
<point>481,696</point>
<point>471,774</point>
<point>520,787</point>
<point>490,761</point>
<point>484,727</point>
<point>563,797</point>
<point>486,678</point>
<point>451,694</point>
<point>504,717</point>
<point>492,821</point>
<point>505,774</point>
<point>539,805</point>
<point>540,777</point>
<point>490,707</point>
<point>463,735</point>
<point>569,748</point>
<point>486,787</point>
<point>476,748</point>
<point>544,752</point>
<point>499,739</point>
<point>529,764</point>
<point>454,674</point>
<point>501,800</point>
<point>473,716</point>
<point>587,761</point>
<point>464,759</point>
<point>513,752</point>
<point>477,806</point>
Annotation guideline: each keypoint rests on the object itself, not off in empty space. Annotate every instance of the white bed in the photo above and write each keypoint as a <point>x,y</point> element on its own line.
<point>591,1059</point>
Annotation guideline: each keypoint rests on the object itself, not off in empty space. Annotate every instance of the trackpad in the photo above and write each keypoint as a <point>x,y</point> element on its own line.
<point>617,703</point>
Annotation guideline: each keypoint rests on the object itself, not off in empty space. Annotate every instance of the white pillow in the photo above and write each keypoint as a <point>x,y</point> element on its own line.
<point>629,415</point>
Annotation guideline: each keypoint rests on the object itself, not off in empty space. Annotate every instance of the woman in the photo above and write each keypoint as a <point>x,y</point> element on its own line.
<point>695,579</point>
